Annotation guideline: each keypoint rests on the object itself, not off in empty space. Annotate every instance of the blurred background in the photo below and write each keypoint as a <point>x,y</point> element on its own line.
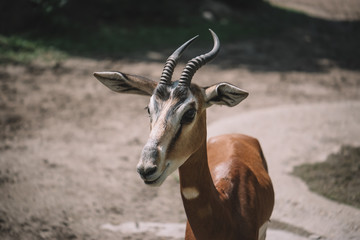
<point>69,146</point>
<point>117,28</point>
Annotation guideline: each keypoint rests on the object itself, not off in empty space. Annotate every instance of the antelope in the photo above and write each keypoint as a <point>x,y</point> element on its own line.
<point>224,182</point>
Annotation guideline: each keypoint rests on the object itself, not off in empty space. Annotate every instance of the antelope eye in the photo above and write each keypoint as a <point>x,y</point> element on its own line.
<point>188,116</point>
<point>148,110</point>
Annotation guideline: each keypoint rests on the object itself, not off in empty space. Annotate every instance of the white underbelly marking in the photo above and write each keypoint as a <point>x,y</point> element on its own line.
<point>262,231</point>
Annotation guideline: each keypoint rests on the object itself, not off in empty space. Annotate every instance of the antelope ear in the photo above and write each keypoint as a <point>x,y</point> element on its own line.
<point>224,94</point>
<point>126,83</point>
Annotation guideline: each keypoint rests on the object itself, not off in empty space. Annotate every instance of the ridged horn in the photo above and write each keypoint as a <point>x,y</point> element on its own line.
<point>194,64</point>
<point>172,61</point>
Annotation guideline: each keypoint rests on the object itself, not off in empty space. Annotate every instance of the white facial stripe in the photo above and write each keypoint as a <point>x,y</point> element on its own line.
<point>190,193</point>
<point>186,106</point>
<point>166,121</point>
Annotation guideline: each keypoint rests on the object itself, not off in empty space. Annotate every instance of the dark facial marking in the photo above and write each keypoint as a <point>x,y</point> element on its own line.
<point>173,141</point>
<point>189,115</point>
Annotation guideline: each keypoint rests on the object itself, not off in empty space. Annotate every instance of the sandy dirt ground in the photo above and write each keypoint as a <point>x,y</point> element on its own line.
<point>304,134</point>
<point>69,146</point>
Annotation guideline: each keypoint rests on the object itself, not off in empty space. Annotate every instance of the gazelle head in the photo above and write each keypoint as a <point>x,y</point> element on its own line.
<point>176,110</point>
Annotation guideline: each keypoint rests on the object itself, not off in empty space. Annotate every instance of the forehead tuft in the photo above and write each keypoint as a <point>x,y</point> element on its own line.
<point>164,92</point>
<point>171,98</point>
<point>180,93</point>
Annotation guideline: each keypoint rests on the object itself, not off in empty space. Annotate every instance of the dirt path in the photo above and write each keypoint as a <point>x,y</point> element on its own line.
<point>70,168</point>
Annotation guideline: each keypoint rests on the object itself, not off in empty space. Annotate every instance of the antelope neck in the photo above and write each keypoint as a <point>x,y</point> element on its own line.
<point>204,208</point>
<point>195,171</point>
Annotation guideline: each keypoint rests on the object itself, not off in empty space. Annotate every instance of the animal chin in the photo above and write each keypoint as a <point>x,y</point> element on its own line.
<point>155,183</point>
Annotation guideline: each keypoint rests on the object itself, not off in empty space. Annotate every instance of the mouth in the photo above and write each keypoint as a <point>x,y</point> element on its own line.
<point>160,179</point>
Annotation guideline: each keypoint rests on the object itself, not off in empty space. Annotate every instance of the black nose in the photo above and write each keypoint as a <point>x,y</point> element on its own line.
<point>147,167</point>
<point>146,171</point>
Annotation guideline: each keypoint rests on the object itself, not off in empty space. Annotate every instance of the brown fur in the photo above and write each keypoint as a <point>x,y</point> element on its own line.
<point>241,201</point>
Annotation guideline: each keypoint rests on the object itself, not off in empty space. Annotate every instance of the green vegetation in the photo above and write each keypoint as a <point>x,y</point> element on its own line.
<point>62,28</point>
<point>53,30</point>
<point>116,41</point>
<point>19,49</point>
<point>338,178</point>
